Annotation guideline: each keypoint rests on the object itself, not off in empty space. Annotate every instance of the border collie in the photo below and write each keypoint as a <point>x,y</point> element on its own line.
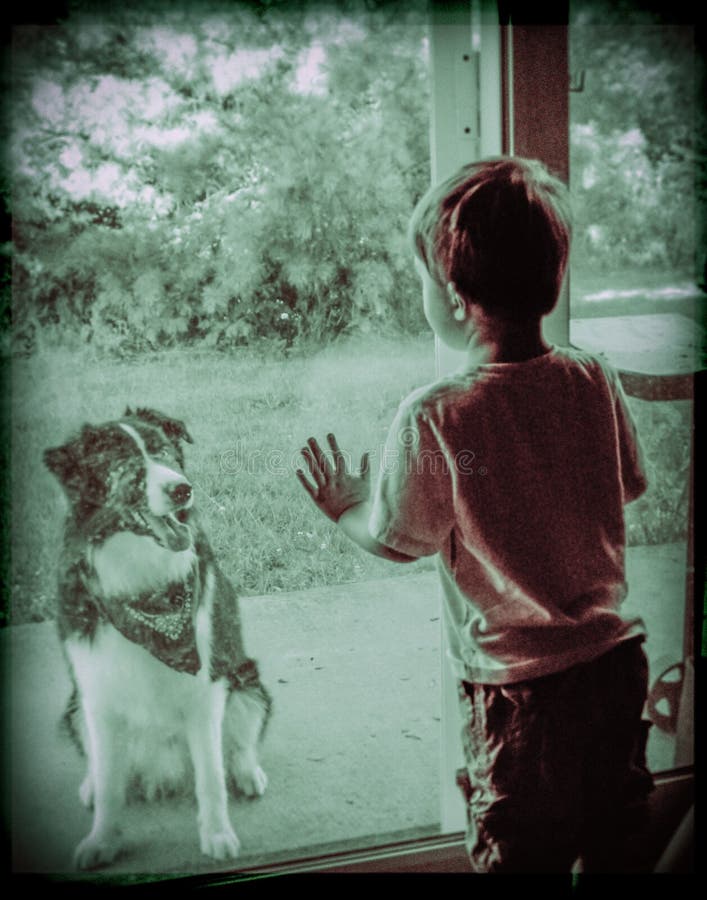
<point>164,694</point>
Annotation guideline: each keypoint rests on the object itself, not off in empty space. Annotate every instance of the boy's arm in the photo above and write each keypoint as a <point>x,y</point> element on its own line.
<point>354,523</point>
<point>634,478</point>
<point>344,497</point>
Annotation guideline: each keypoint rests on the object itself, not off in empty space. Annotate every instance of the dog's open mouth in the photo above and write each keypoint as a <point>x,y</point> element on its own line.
<point>168,530</point>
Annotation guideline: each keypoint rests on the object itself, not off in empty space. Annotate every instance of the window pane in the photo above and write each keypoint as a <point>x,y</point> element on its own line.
<point>210,210</point>
<point>637,284</point>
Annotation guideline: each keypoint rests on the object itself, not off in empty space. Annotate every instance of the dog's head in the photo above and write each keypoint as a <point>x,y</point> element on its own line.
<point>127,475</point>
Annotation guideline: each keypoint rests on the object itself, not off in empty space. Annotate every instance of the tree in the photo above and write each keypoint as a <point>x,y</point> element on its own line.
<point>637,146</point>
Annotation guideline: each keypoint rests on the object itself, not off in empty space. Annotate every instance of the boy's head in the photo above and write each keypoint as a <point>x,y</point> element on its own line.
<point>498,231</point>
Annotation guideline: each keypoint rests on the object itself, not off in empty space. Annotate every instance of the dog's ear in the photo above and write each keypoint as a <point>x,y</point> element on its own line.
<point>66,462</point>
<point>62,461</point>
<point>174,429</point>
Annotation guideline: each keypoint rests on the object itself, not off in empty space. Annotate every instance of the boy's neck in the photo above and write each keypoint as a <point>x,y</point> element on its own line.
<point>495,340</point>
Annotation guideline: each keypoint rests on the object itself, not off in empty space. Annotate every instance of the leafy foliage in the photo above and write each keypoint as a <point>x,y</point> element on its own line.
<point>217,172</point>
<point>638,149</point>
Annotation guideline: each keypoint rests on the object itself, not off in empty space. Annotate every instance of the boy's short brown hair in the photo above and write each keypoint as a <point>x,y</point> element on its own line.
<point>499,231</point>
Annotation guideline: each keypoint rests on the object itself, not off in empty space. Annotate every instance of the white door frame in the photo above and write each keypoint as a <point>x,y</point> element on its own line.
<point>478,96</point>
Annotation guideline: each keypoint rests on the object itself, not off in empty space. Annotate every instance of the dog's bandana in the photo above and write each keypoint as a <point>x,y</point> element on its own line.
<point>160,621</point>
<point>166,612</point>
<point>163,623</point>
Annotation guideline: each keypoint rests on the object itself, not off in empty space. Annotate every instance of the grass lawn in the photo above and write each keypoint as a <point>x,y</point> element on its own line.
<point>249,415</point>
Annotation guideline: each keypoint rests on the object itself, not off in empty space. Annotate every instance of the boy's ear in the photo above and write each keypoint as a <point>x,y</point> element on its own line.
<point>174,429</point>
<point>452,293</point>
<point>457,301</point>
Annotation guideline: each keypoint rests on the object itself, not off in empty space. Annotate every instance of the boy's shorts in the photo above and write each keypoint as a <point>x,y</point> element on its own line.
<point>556,768</point>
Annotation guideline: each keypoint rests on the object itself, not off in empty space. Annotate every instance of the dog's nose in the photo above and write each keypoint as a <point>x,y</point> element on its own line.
<point>180,493</point>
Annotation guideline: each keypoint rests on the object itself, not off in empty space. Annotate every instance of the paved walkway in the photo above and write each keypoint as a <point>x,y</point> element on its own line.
<point>352,752</point>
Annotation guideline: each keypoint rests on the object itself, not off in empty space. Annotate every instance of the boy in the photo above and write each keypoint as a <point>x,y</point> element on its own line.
<point>515,470</point>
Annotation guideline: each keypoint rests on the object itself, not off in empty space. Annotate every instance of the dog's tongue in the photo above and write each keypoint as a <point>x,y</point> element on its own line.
<point>169,532</point>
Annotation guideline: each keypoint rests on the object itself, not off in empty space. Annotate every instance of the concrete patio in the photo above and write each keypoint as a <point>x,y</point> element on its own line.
<point>353,749</point>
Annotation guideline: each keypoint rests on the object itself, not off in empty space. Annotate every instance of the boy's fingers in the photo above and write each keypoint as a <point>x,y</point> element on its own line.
<point>365,462</point>
<point>312,491</point>
<point>312,464</point>
<point>319,458</point>
<point>339,462</point>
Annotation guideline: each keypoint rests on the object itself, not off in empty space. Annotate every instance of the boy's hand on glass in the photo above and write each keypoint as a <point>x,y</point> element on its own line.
<point>335,489</point>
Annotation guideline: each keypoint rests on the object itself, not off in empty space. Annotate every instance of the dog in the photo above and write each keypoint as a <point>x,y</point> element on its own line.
<point>164,695</point>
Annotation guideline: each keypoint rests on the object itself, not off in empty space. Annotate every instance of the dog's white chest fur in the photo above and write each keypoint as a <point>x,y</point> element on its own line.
<point>150,564</point>
<point>143,702</point>
<point>125,682</point>
<point>116,674</point>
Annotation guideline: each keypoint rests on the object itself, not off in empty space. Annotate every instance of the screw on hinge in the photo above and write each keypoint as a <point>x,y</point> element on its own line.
<point>577,82</point>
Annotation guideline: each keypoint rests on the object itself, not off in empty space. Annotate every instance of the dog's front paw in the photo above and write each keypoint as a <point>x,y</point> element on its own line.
<point>253,783</point>
<point>96,850</point>
<point>220,844</point>
<point>249,778</point>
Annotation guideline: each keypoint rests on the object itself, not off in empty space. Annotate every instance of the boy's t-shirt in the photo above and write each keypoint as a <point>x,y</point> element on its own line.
<point>516,474</point>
